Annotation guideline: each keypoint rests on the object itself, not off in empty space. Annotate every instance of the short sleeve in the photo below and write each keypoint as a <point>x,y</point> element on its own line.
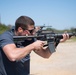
<point>6,38</point>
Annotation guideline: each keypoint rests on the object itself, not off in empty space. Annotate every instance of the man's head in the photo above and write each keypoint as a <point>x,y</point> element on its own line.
<point>24,25</point>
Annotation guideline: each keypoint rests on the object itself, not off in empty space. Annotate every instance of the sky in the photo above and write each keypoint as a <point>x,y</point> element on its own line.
<point>60,14</point>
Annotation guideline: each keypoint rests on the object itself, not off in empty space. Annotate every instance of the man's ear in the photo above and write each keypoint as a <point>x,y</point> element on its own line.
<point>20,29</point>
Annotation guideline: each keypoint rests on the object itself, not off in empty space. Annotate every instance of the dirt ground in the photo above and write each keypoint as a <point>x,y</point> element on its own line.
<point>61,62</point>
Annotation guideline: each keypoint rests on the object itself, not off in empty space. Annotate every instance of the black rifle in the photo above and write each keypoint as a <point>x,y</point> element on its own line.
<point>51,38</point>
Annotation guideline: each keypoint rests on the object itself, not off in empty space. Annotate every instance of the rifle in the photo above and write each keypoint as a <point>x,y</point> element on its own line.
<point>51,38</point>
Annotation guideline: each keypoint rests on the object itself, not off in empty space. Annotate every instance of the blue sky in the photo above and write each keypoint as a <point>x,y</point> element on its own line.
<point>60,14</point>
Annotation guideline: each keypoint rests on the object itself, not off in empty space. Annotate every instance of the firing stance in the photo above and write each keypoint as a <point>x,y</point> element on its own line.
<point>15,57</point>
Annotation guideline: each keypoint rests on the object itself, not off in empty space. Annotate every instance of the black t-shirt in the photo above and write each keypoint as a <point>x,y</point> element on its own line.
<point>20,67</point>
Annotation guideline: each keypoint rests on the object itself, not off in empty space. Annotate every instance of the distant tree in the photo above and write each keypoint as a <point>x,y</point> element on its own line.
<point>9,26</point>
<point>73,29</point>
<point>3,28</point>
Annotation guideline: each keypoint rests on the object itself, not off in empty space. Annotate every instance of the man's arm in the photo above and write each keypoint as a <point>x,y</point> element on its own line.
<point>45,52</point>
<point>13,53</point>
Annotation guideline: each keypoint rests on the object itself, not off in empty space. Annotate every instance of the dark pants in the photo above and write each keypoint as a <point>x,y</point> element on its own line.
<point>23,68</point>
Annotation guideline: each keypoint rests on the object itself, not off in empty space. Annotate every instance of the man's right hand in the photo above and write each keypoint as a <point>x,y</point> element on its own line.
<point>38,45</point>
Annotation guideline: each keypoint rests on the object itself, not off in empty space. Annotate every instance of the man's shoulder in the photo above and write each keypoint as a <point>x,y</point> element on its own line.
<point>6,38</point>
<point>6,34</point>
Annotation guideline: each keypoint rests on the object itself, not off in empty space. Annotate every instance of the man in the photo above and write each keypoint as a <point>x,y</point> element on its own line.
<point>15,57</point>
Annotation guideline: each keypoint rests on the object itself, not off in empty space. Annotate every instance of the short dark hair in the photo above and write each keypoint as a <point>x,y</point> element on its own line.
<point>23,22</point>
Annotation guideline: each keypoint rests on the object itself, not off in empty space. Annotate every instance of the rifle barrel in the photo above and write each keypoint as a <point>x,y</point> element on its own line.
<point>16,38</point>
<point>45,35</point>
